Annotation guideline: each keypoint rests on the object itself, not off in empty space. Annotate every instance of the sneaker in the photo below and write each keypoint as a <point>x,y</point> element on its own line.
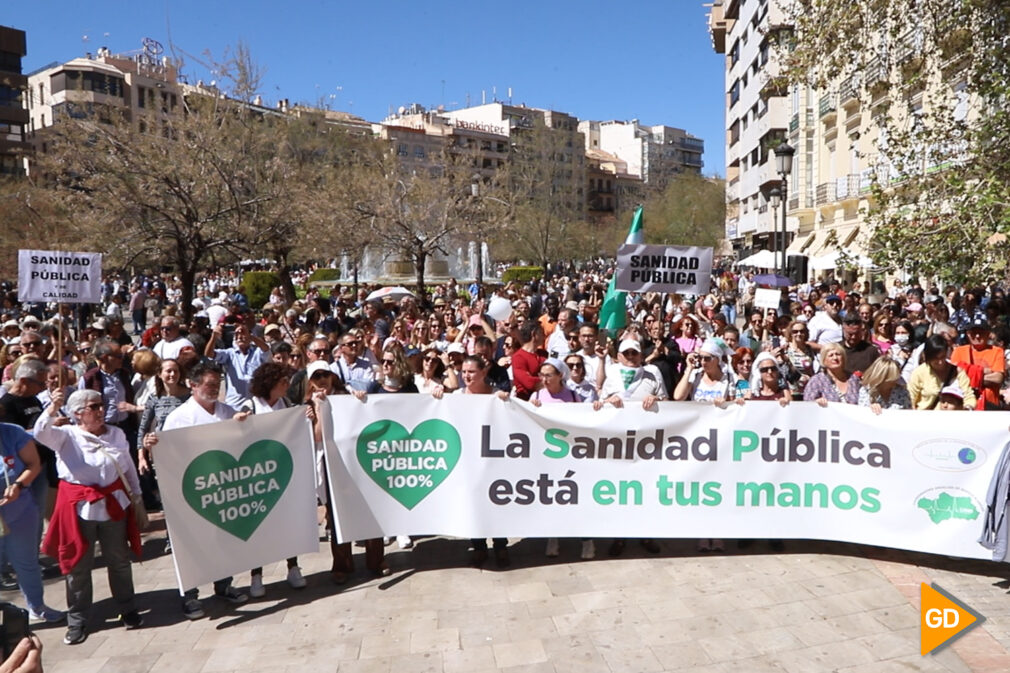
<point>192,608</point>
<point>404,541</point>
<point>232,595</point>
<point>132,620</point>
<point>75,635</point>
<point>588,550</point>
<point>552,547</point>
<point>295,579</point>
<point>256,588</point>
<point>47,614</point>
<point>168,545</point>
<point>8,582</point>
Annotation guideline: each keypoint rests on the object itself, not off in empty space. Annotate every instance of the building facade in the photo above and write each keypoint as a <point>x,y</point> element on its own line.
<point>757,119</point>
<point>13,114</point>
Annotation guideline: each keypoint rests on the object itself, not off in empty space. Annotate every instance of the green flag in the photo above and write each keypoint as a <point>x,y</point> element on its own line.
<point>614,312</point>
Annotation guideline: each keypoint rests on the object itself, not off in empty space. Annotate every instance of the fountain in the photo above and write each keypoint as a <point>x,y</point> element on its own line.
<point>381,266</point>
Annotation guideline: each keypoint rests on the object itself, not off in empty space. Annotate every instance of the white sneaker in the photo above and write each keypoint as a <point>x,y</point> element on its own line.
<point>588,550</point>
<point>552,547</point>
<point>295,579</point>
<point>256,588</point>
<point>404,541</point>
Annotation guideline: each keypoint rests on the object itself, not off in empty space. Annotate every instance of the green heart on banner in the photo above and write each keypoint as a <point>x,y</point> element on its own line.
<point>236,495</point>
<point>408,465</point>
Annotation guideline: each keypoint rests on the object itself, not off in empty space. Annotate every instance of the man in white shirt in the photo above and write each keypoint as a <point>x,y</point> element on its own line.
<point>200,409</point>
<point>239,362</point>
<point>826,325</point>
<point>628,380</point>
<point>172,342</point>
<point>558,345</point>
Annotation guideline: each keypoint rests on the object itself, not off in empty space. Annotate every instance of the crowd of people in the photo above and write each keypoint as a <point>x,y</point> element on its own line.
<point>85,399</point>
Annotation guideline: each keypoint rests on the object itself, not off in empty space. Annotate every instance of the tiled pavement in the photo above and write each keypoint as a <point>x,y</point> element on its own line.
<point>816,607</point>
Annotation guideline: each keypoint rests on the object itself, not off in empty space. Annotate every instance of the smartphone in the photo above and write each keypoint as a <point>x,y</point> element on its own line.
<point>13,626</point>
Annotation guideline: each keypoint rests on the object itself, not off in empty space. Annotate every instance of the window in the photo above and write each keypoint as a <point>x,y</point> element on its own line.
<point>419,152</point>
<point>140,97</point>
<point>401,149</point>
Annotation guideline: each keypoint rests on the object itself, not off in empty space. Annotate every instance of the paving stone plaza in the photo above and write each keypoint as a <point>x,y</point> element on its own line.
<point>818,606</point>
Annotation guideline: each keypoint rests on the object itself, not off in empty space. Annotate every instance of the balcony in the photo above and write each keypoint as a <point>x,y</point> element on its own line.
<point>848,91</point>
<point>828,107</point>
<point>825,193</point>
<point>847,187</point>
<point>877,72</point>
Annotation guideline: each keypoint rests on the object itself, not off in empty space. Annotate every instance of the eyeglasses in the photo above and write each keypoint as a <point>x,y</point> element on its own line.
<point>319,351</point>
<point>766,370</point>
<point>94,406</point>
<point>573,337</point>
<point>800,331</point>
<point>629,353</point>
<point>575,365</point>
<point>430,358</point>
<point>706,358</point>
<point>168,327</point>
<point>15,354</point>
<point>350,343</point>
<point>31,344</point>
<point>388,362</point>
<point>746,362</point>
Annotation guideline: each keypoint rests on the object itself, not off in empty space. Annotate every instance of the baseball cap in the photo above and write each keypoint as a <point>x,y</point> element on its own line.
<point>833,298</point>
<point>456,348</point>
<point>630,345</point>
<point>316,367</point>
<point>953,390</point>
<point>978,322</point>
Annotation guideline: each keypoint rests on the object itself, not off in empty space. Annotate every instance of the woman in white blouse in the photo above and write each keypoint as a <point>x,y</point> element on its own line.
<point>97,478</point>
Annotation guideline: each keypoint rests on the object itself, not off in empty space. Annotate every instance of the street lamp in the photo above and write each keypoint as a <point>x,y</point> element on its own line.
<point>774,197</point>
<point>479,272</point>
<point>784,164</point>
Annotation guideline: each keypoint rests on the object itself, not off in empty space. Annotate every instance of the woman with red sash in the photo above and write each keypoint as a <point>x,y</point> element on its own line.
<point>97,478</point>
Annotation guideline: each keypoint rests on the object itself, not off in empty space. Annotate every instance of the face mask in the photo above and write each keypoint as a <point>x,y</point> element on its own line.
<point>901,339</point>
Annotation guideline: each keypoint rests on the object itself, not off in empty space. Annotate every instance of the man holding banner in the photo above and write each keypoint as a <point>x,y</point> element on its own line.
<point>201,408</point>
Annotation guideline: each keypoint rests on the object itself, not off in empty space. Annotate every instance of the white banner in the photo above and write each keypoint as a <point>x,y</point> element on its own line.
<point>664,268</point>
<point>475,466</point>
<point>766,298</point>
<point>55,275</point>
<point>238,494</point>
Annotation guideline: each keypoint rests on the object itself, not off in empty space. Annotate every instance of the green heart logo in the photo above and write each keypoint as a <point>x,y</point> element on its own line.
<point>237,495</point>
<point>408,465</point>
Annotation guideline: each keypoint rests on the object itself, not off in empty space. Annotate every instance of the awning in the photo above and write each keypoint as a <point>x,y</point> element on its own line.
<point>799,244</point>
<point>763,259</point>
<point>830,260</point>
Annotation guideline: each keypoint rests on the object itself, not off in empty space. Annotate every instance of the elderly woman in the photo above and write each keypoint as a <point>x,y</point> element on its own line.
<point>766,382</point>
<point>831,383</point>
<point>704,379</point>
<point>881,386</point>
<point>97,480</point>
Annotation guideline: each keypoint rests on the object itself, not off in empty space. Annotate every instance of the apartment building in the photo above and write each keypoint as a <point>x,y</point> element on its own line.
<point>143,83</point>
<point>757,120</point>
<point>13,115</point>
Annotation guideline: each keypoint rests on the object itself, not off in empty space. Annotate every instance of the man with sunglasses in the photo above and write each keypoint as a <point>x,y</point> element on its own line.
<point>172,342</point>
<point>112,380</point>
<point>354,370</point>
<point>826,325</point>
<point>239,362</point>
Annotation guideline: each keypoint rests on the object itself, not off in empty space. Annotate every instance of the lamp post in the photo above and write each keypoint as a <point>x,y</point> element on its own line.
<point>784,164</point>
<point>774,198</point>
<point>479,272</point>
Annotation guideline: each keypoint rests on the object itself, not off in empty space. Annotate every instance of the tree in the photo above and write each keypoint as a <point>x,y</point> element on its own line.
<point>689,210</point>
<point>545,188</point>
<point>415,213</point>
<point>936,76</point>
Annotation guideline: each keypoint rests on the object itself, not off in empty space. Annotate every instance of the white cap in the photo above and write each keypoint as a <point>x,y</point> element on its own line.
<point>630,345</point>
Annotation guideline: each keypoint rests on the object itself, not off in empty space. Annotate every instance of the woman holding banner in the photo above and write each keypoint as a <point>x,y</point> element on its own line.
<point>831,384</point>
<point>474,382</point>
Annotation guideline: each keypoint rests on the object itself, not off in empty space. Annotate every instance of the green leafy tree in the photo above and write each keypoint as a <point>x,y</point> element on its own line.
<point>935,75</point>
<point>689,210</point>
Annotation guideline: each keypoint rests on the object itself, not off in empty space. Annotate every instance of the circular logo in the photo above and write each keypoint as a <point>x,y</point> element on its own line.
<point>966,455</point>
<point>949,454</point>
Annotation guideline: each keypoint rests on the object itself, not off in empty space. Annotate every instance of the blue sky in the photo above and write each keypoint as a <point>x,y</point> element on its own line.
<point>594,59</point>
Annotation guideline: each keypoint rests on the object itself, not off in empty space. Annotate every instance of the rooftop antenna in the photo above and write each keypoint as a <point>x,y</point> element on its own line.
<point>442,99</point>
<point>510,95</point>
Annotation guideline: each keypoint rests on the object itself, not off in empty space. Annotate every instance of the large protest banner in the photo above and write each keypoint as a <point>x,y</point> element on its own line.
<point>238,494</point>
<point>475,466</point>
<point>664,268</point>
<point>54,275</point>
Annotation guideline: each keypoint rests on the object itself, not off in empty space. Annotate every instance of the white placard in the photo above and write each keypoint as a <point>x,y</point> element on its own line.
<point>56,275</point>
<point>766,298</point>
<point>474,466</point>
<point>238,494</point>
<point>664,268</point>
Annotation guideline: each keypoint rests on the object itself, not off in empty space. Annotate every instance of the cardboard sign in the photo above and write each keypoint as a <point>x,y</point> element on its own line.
<point>55,275</point>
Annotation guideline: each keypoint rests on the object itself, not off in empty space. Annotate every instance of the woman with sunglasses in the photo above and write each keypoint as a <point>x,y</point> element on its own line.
<point>704,379</point>
<point>766,381</point>
<point>584,389</point>
<point>432,371</point>
<point>799,358</point>
<point>97,479</point>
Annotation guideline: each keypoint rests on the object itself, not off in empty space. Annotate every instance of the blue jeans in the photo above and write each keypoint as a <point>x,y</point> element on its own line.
<point>729,310</point>
<point>21,548</point>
